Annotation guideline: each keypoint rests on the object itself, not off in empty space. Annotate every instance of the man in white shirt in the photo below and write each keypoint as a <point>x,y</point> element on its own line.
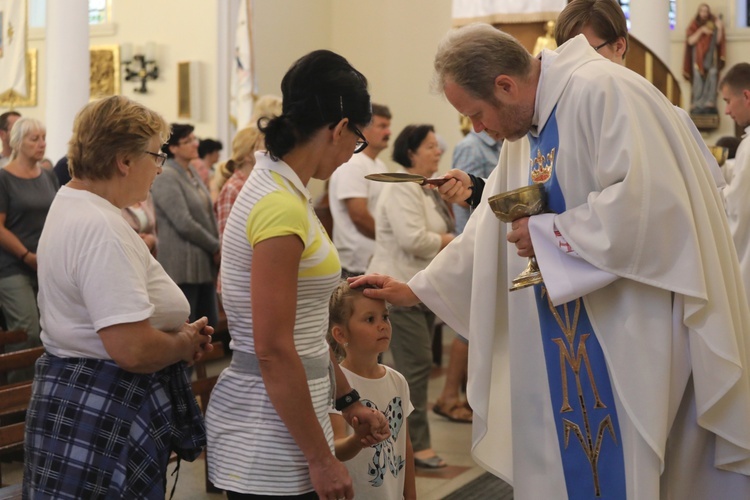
<point>735,91</point>
<point>7,120</point>
<point>353,198</point>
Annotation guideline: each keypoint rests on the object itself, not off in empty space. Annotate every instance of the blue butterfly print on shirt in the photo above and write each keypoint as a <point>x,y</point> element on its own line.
<point>384,455</point>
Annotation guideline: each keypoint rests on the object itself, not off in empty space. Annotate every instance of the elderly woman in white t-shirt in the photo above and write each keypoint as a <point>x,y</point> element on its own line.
<point>111,399</point>
<point>412,225</point>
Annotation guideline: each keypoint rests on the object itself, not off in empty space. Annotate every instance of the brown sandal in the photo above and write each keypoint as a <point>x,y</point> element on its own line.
<point>456,412</point>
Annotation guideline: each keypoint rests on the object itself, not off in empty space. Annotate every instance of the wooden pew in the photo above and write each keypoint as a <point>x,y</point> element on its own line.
<point>10,337</point>
<point>14,400</point>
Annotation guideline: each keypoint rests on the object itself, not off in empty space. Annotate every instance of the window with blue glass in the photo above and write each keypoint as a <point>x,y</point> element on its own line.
<point>625,4</point>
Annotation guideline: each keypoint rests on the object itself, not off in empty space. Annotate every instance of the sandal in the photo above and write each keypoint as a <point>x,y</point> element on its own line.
<point>456,412</point>
<point>434,462</point>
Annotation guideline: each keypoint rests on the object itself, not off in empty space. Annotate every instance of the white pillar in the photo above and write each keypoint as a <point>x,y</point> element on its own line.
<point>67,70</point>
<point>649,22</point>
<point>227,18</point>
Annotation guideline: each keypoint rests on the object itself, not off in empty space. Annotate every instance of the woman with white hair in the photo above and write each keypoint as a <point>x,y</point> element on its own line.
<point>26,193</point>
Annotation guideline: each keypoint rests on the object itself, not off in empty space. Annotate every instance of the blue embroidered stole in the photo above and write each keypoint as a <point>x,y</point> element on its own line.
<point>582,401</point>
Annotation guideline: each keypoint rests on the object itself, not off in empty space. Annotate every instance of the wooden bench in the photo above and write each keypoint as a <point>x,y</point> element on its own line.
<point>6,338</point>
<point>12,492</point>
<point>14,400</point>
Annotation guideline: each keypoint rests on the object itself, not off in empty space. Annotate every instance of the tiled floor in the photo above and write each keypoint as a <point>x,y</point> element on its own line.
<point>451,441</point>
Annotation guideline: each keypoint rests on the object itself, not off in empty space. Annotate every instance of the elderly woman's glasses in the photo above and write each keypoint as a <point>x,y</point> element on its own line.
<point>361,142</point>
<point>160,158</point>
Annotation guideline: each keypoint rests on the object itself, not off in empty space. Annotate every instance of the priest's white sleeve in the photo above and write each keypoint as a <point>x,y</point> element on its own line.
<point>566,275</point>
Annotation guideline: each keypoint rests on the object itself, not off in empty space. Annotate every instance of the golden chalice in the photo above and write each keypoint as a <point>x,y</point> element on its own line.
<point>720,153</point>
<point>513,205</point>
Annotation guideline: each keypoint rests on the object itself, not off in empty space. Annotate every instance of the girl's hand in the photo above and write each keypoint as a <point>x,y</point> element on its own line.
<point>371,424</point>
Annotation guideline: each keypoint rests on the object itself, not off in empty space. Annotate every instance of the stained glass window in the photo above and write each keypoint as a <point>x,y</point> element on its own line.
<point>625,4</point>
<point>673,14</point>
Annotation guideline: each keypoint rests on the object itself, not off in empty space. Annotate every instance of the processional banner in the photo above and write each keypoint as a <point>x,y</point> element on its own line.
<point>13,46</point>
<point>242,84</point>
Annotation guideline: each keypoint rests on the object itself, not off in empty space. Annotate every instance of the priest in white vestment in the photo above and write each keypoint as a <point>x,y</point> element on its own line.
<point>625,375</point>
<point>735,91</point>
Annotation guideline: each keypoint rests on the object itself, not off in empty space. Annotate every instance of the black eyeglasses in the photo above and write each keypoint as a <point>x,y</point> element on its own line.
<point>160,158</point>
<point>600,46</point>
<point>361,142</point>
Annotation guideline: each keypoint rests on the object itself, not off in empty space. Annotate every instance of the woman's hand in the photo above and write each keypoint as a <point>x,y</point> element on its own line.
<point>150,241</point>
<point>197,337</point>
<point>520,237</point>
<point>30,260</point>
<point>330,479</point>
<point>138,347</point>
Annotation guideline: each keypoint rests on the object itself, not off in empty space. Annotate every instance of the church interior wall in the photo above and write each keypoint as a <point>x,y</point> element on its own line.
<point>391,41</point>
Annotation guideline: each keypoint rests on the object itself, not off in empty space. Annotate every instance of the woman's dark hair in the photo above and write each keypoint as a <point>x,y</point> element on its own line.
<point>179,132</point>
<point>208,146</point>
<point>319,89</point>
<point>409,140</point>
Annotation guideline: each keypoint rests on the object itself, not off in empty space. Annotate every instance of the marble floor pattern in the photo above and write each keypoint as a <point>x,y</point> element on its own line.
<point>451,440</point>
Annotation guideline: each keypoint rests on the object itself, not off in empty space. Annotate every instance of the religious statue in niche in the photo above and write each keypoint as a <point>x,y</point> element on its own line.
<point>705,54</point>
<point>548,40</point>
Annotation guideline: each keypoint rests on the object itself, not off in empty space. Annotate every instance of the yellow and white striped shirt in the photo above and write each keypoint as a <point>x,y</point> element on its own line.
<point>250,448</point>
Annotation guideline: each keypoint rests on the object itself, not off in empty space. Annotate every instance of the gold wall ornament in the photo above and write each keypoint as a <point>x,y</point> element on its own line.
<point>189,90</point>
<point>104,80</point>
<point>12,99</point>
<point>547,41</point>
<point>464,123</point>
<point>184,108</point>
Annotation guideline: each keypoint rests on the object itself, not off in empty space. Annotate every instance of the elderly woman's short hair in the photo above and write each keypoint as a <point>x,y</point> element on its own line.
<point>408,141</point>
<point>110,128</point>
<point>21,129</point>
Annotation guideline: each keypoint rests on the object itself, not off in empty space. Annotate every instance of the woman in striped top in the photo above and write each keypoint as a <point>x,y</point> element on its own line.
<point>268,426</point>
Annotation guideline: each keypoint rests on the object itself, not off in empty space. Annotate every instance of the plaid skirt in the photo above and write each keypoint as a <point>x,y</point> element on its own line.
<point>94,430</point>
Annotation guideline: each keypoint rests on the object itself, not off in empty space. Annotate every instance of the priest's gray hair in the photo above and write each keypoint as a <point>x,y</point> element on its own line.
<point>474,55</point>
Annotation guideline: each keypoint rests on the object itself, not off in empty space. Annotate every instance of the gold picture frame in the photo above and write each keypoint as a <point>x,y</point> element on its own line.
<point>12,99</point>
<point>104,80</point>
<point>184,107</point>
